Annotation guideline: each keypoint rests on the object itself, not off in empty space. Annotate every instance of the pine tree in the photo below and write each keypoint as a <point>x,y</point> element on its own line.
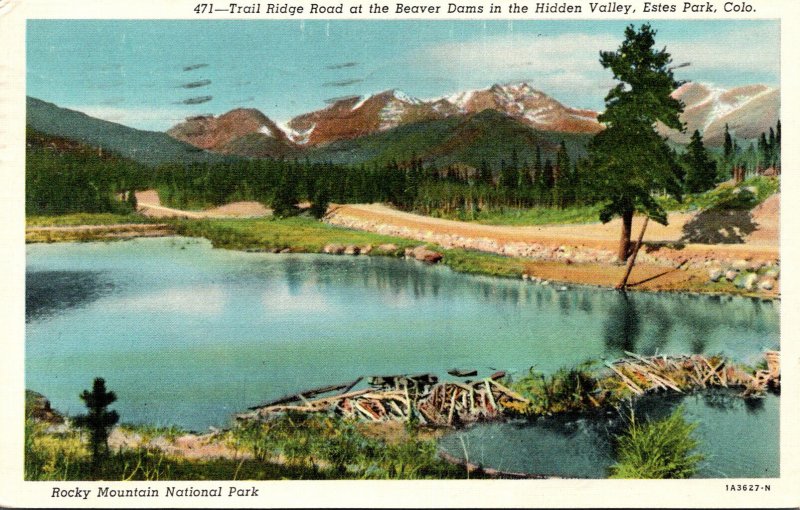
<point>630,159</point>
<point>561,175</point>
<point>727,167</point>
<point>319,206</point>
<point>728,145</point>
<point>285,200</point>
<point>508,175</point>
<point>132,203</point>
<point>701,171</point>
<point>98,420</point>
<point>485,173</point>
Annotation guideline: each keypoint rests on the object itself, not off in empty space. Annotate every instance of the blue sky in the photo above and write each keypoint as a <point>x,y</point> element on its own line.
<point>134,72</point>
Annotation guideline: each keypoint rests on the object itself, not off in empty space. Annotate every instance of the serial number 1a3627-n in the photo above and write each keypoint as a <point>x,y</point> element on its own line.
<point>747,487</point>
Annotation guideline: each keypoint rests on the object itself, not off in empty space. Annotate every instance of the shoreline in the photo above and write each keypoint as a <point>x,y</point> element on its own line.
<point>238,234</point>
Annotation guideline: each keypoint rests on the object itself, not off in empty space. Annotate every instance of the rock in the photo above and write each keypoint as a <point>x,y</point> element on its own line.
<point>286,250</point>
<point>731,275</point>
<point>525,276</point>
<point>352,249</point>
<point>366,250</point>
<point>423,254</point>
<point>766,284</point>
<point>38,407</point>
<point>739,265</point>
<point>545,282</point>
<point>755,265</point>
<point>715,274</point>
<point>333,249</point>
<point>749,281</point>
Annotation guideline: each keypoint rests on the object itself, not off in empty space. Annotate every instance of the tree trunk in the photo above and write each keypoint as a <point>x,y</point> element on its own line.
<point>625,238</point>
<point>632,260</point>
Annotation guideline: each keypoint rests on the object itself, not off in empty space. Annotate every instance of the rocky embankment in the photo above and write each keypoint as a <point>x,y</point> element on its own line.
<point>752,270</point>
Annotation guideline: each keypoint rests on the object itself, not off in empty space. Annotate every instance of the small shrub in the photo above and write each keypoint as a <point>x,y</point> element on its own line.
<point>567,390</point>
<point>657,449</point>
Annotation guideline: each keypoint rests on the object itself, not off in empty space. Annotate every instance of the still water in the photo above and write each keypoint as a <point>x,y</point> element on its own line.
<point>188,335</point>
<point>737,438</point>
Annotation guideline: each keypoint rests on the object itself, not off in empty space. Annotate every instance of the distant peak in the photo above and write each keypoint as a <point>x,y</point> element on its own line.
<point>396,94</point>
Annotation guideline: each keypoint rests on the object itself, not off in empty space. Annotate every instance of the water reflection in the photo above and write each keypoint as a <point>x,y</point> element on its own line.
<point>50,292</point>
<point>622,326</point>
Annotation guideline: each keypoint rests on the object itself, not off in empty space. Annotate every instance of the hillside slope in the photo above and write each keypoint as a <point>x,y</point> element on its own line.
<point>148,147</point>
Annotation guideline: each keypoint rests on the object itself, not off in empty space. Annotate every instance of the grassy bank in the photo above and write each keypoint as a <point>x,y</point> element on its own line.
<point>297,447</point>
<point>76,219</point>
<point>299,234</point>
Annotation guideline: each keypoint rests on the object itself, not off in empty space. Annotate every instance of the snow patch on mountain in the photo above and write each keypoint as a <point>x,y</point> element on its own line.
<point>460,99</point>
<point>297,136</point>
<point>360,103</point>
<point>402,96</point>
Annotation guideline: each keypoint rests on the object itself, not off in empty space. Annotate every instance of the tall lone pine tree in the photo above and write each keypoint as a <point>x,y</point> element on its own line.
<point>629,158</point>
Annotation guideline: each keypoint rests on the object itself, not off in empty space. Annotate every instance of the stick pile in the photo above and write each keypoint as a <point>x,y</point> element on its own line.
<point>398,398</point>
<point>446,404</point>
<point>685,373</point>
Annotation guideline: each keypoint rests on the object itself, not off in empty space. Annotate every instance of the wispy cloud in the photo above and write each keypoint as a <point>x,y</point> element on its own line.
<point>343,65</point>
<point>561,53</point>
<point>561,65</point>
<point>567,66</point>
<point>342,83</point>
<point>747,50</point>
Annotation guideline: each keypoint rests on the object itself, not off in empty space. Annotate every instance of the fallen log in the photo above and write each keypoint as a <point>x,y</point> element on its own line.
<point>294,397</point>
<point>508,392</point>
<point>394,380</point>
<point>460,372</point>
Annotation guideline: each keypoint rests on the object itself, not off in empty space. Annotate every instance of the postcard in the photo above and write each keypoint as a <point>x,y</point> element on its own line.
<point>381,254</point>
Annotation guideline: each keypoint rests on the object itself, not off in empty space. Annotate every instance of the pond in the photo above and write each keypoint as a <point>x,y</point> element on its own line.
<point>738,438</point>
<point>188,335</point>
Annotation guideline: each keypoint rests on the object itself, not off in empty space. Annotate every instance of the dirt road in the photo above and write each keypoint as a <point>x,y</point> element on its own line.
<point>736,235</point>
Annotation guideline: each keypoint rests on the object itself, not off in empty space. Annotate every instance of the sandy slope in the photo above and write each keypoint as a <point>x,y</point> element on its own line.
<point>149,204</point>
<point>767,217</point>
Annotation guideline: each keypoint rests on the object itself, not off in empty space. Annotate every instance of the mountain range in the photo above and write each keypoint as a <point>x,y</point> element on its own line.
<point>464,128</point>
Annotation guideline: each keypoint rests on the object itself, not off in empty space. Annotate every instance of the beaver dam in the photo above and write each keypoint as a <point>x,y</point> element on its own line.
<point>449,403</point>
